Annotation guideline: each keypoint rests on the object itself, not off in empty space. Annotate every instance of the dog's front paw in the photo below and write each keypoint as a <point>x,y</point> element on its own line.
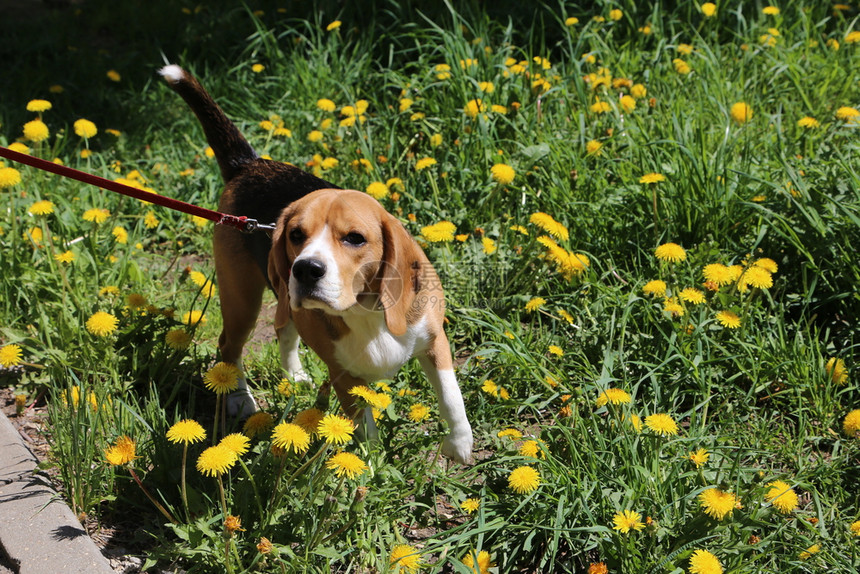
<point>458,447</point>
<point>241,404</point>
<point>298,375</point>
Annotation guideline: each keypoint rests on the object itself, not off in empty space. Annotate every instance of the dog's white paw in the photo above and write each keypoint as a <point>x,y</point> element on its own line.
<point>298,375</point>
<point>241,404</point>
<point>458,447</point>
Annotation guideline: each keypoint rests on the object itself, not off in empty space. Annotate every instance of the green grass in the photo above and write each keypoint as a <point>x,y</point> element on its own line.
<point>760,398</point>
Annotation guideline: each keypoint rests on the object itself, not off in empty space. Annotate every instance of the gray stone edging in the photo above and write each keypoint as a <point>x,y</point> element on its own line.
<point>38,532</point>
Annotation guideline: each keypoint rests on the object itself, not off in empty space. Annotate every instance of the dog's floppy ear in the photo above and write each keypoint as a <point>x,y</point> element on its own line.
<point>400,274</point>
<point>279,270</point>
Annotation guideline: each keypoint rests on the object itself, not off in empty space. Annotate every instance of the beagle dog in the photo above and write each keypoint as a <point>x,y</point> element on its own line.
<point>350,280</point>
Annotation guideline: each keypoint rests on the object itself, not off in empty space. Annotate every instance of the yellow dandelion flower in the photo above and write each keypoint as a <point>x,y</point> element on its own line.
<point>550,225</point>
<point>377,190</point>
<point>671,252</point>
<point>524,479</point>
<point>532,449</point>
<point>757,277</point>
<point>290,436</point>
<point>808,122</point>
<point>85,128</point>
<point>216,460</point>
<point>511,433</point>
<point>655,288</point>
<point>443,71</point>
<point>490,387</point>
<point>503,173</point>
<point>418,412</point>
<point>470,505</point>
<point>439,232</point>
<point>566,316</point>
<point>237,442</point>
<point>807,554</point>
<point>693,296</point>
<point>405,558</point>
<point>474,107</point>
<point>628,103</point>
<point>741,112</point>
<point>661,424</point>
<point>192,318</point>
<point>717,503</point>
<point>424,163</point>
<point>627,520</point>
<point>309,420</point>
<point>9,176</point>
<point>150,220</point>
<point>258,423</point>
<point>178,339</point>
<point>96,215</point>
<point>681,66</point>
<point>326,105</point>
<point>572,21</point>
<point>534,304</point>
<point>672,307</point>
<point>489,245</point>
<point>186,431</point>
<point>728,319</point>
<point>479,563</point>
<point>718,274</point>
<point>333,26</point>
<point>782,496</point>
<point>855,528</point>
<point>121,452</point>
<point>102,324</point>
<point>336,429</point>
<point>64,257</point>
<point>38,106</point>
<point>593,147</point>
<point>556,350</point>
<point>600,107</point>
<point>10,355</point>
<point>835,368</point>
<point>652,178</point>
<point>346,464</point>
<point>222,378</point>
<point>699,458</point>
<point>847,114</point>
<point>43,207</point>
<point>767,264</point>
<point>113,76</point>
<point>703,562</point>
<point>851,423</point>
<point>770,10</point>
<point>613,396</point>
<point>36,131</point>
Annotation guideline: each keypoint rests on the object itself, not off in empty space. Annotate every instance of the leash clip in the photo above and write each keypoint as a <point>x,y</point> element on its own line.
<point>245,224</point>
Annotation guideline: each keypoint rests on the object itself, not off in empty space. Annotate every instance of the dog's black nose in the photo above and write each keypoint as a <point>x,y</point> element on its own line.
<point>308,271</point>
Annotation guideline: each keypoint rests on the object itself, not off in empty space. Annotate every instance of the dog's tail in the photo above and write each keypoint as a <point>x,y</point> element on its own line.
<point>231,148</point>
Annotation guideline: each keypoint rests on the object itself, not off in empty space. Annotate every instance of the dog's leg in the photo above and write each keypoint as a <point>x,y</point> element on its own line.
<point>439,368</point>
<point>240,287</point>
<point>288,343</point>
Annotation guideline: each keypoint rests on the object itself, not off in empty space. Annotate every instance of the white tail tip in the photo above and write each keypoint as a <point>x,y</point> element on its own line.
<point>172,73</point>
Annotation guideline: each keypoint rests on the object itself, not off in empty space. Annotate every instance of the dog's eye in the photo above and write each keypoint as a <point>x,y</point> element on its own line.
<point>297,236</point>
<point>355,239</point>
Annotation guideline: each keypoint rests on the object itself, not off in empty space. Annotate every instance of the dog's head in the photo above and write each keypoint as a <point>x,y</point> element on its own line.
<point>340,251</point>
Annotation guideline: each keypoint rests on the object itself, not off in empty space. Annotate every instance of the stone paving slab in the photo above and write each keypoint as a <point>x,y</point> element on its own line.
<point>39,534</point>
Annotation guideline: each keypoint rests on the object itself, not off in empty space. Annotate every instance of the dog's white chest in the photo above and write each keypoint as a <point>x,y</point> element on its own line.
<point>370,352</point>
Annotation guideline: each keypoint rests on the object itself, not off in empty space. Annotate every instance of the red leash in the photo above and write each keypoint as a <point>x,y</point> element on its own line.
<point>241,223</point>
